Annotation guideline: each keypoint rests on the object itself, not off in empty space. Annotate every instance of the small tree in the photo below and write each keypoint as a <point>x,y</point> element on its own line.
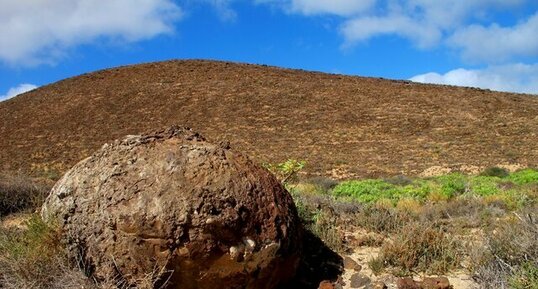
<point>287,171</point>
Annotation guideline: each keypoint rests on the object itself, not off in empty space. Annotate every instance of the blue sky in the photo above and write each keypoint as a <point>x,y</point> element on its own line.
<point>483,43</point>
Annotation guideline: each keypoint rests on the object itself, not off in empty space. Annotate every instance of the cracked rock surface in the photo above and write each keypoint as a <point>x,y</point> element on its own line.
<point>171,206</point>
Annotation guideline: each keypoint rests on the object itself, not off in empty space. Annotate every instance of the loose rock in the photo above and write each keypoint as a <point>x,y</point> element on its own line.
<point>350,264</point>
<point>358,280</point>
<point>326,285</point>
<point>436,283</point>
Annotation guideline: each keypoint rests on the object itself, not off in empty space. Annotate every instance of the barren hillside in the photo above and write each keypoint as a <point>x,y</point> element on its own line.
<point>342,126</point>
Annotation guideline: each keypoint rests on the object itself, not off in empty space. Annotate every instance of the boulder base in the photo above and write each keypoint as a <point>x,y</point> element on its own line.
<point>170,206</point>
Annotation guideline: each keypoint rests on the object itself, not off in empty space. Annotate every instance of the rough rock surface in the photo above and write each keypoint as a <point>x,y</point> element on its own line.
<point>171,202</point>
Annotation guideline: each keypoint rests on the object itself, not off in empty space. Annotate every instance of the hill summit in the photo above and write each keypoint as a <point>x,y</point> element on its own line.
<point>343,126</point>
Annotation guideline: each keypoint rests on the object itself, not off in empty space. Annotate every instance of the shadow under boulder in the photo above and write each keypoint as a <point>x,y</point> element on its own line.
<point>318,263</point>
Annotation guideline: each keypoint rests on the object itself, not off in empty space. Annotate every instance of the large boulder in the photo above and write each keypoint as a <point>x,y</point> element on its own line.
<point>172,207</point>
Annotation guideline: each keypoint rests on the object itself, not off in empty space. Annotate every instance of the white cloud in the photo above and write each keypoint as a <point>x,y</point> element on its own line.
<point>364,28</point>
<point>37,31</point>
<point>509,77</point>
<point>495,43</point>
<point>425,22</point>
<point>14,91</point>
<point>337,7</point>
<point>319,7</point>
<point>224,11</point>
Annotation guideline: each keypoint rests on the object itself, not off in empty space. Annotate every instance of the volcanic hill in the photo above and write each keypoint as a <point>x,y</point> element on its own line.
<point>343,126</point>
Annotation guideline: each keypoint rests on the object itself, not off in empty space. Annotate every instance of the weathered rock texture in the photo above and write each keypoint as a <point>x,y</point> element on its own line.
<point>171,200</point>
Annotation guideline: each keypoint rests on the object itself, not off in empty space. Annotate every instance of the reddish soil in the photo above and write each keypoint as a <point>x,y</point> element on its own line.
<point>343,126</point>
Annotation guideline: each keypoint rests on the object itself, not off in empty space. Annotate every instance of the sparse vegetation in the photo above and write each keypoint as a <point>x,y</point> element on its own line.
<point>495,172</point>
<point>512,188</point>
<point>419,247</point>
<point>286,171</point>
<point>34,258</point>
<point>430,225</point>
<point>19,193</point>
<point>510,252</point>
<point>434,225</point>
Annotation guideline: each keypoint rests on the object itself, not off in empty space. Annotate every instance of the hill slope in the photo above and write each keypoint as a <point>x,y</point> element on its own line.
<point>341,125</point>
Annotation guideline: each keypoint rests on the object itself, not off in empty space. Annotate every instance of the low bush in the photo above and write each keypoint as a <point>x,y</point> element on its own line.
<point>484,185</point>
<point>525,277</point>
<point>19,193</point>
<point>419,247</point>
<point>287,171</point>
<point>381,219</point>
<point>365,191</point>
<point>526,176</point>
<point>452,185</point>
<point>495,172</point>
<point>34,258</point>
<point>510,256</point>
<point>399,180</point>
<point>324,184</point>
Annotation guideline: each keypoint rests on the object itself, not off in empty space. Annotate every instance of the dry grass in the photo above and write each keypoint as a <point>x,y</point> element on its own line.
<point>419,247</point>
<point>35,259</point>
<point>510,255</point>
<point>19,193</point>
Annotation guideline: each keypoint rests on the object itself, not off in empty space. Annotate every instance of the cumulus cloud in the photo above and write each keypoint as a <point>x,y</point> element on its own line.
<point>14,91</point>
<point>36,31</point>
<point>320,7</point>
<point>495,43</point>
<point>509,77</point>
<point>424,22</point>
<point>364,28</point>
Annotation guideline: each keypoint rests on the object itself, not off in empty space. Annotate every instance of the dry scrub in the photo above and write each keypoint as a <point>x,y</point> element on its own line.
<point>18,193</point>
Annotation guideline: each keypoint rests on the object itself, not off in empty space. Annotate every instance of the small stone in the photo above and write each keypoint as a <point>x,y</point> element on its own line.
<point>351,264</point>
<point>249,244</point>
<point>436,283</point>
<point>407,283</point>
<point>325,285</point>
<point>377,285</point>
<point>358,280</point>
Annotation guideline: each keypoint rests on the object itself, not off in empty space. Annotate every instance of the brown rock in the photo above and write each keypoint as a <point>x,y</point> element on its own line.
<point>377,285</point>
<point>407,283</point>
<point>436,283</point>
<point>358,280</point>
<point>350,264</point>
<point>169,200</point>
<point>325,285</point>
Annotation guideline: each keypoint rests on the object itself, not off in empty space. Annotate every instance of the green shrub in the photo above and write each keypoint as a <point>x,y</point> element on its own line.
<point>525,277</point>
<point>523,177</point>
<point>286,171</point>
<point>495,172</point>
<point>452,185</point>
<point>418,190</point>
<point>484,185</point>
<point>366,191</point>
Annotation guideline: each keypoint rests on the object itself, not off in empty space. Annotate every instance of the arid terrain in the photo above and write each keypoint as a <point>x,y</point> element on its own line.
<point>350,182</point>
<point>342,126</point>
